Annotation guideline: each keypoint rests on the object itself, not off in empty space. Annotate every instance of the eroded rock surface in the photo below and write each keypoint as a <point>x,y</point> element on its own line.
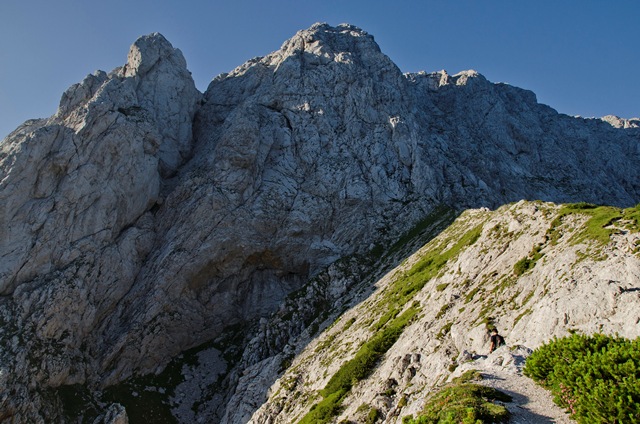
<point>78,193</point>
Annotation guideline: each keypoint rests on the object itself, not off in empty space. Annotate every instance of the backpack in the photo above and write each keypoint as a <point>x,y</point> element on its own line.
<point>498,340</point>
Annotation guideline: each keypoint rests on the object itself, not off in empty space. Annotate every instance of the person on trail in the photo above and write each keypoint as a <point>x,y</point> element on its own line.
<point>496,340</point>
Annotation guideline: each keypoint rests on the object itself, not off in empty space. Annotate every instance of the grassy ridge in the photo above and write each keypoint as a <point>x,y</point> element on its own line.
<point>357,369</point>
<point>600,218</point>
<point>388,328</point>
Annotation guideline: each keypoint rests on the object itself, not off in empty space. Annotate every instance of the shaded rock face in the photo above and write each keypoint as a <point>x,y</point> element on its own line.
<point>78,192</point>
<point>145,217</point>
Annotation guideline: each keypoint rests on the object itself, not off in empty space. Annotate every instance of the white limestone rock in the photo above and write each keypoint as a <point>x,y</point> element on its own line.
<point>618,122</point>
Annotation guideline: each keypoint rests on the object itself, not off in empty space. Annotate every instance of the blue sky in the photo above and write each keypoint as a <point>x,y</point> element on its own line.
<point>581,57</point>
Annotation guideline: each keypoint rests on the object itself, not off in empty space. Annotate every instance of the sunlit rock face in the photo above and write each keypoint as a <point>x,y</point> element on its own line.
<point>146,217</point>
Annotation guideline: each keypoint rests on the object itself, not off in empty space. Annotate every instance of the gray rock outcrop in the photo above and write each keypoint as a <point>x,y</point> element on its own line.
<point>146,218</point>
<point>618,122</point>
<point>77,194</point>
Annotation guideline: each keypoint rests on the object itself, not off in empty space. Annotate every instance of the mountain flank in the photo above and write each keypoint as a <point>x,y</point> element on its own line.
<point>165,251</point>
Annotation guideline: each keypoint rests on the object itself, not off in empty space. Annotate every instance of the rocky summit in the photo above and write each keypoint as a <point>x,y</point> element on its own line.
<point>168,255</point>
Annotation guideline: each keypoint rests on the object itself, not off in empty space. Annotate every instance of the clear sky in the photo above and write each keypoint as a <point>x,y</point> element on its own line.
<point>582,57</point>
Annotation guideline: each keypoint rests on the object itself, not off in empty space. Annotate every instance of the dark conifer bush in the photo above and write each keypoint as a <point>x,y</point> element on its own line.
<point>596,378</point>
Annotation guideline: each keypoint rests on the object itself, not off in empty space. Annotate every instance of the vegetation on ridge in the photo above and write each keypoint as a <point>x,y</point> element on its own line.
<point>357,369</point>
<point>463,402</point>
<point>598,227</point>
<point>596,378</point>
<point>395,316</point>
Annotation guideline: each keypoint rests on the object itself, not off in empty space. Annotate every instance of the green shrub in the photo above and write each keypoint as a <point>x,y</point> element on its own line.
<point>374,415</point>
<point>596,378</point>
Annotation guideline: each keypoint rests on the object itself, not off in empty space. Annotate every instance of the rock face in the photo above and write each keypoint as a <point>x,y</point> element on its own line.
<point>146,218</point>
<point>78,192</point>
<point>621,122</point>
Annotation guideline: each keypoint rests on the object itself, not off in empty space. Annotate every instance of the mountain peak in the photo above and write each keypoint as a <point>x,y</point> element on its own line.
<point>330,43</point>
<point>148,50</point>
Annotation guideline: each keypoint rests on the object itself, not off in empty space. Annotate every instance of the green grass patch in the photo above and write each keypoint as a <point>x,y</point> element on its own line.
<point>384,319</point>
<point>600,217</point>
<point>414,280</point>
<point>349,323</point>
<point>463,402</point>
<point>527,263</point>
<point>469,297</point>
<point>443,310</point>
<point>528,297</point>
<point>522,266</point>
<point>373,416</point>
<point>521,315</point>
<point>596,378</point>
<point>326,409</point>
<point>442,287</point>
<point>444,330</point>
<point>467,376</point>
<point>489,323</point>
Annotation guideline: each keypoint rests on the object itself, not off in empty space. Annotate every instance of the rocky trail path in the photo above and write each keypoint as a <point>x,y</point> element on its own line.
<point>531,403</point>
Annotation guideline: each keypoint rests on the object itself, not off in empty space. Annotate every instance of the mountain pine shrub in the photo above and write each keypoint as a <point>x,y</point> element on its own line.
<point>596,378</point>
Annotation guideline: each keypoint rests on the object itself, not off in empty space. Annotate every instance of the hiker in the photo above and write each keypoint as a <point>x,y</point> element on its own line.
<point>496,340</point>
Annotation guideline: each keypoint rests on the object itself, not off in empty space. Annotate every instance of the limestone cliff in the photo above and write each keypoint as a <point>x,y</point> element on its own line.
<point>145,219</point>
